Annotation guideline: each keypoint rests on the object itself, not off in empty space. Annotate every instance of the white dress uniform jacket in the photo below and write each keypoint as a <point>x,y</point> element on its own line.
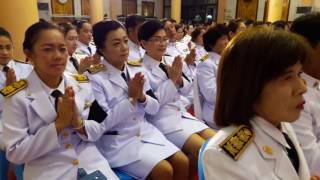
<point>84,50</point>
<point>200,53</point>
<point>136,52</point>
<point>70,68</point>
<point>126,126</point>
<point>307,127</point>
<point>207,76</point>
<point>22,70</point>
<point>264,158</point>
<point>168,119</point>
<point>31,137</point>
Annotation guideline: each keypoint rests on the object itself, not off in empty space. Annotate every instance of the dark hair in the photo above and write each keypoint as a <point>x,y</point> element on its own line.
<point>308,26</point>
<point>79,24</point>
<point>66,27</point>
<point>101,30</point>
<point>197,31</point>
<point>134,20</point>
<point>212,35</point>
<point>148,29</point>
<point>248,22</point>
<point>163,21</point>
<point>5,33</point>
<point>233,25</point>
<point>259,23</point>
<point>279,25</point>
<point>251,60</point>
<point>32,33</point>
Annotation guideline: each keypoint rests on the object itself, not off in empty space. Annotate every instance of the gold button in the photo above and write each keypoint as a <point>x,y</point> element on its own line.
<point>68,146</point>
<point>75,162</point>
<point>65,134</point>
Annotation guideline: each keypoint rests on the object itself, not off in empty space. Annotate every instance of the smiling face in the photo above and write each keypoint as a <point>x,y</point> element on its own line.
<point>156,45</point>
<point>116,49</point>
<point>281,99</point>
<point>49,54</point>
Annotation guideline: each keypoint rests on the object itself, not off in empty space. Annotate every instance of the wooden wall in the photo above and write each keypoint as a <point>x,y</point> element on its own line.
<point>129,7</point>
<point>147,8</point>
<point>247,9</point>
<point>85,7</point>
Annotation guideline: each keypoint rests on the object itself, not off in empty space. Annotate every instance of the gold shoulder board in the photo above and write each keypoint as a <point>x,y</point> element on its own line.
<point>96,68</point>
<point>235,144</point>
<point>205,57</point>
<point>136,62</point>
<point>14,88</point>
<point>81,78</point>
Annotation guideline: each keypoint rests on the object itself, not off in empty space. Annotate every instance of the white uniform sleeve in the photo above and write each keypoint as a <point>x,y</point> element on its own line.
<point>207,82</point>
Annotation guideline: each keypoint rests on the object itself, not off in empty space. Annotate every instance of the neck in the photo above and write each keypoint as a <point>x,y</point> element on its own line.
<point>119,66</point>
<point>50,81</point>
<point>155,57</point>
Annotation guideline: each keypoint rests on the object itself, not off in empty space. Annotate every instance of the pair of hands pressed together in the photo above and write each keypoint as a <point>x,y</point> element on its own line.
<point>68,113</point>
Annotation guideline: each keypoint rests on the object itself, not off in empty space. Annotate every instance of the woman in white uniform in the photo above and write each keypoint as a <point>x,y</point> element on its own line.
<point>167,83</point>
<point>44,115</point>
<point>130,142</point>
<point>85,44</point>
<point>259,92</point>
<point>77,63</point>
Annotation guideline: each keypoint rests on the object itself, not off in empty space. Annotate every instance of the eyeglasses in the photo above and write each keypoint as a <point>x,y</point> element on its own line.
<point>158,40</point>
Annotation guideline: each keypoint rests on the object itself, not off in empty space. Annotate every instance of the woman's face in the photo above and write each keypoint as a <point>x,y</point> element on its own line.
<point>49,54</point>
<point>71,41</point>
<point>179,34</point>
<point>199,39</point>
<point>6,50</point>
<point>85,33</point>
<point>116,49</point>
<point>170,30</point>
<point>281,99</point>
<point>156,45</point>
<point>221,44</point>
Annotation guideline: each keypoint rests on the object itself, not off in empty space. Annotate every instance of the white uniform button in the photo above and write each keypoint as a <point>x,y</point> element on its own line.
<point>75,162</point>
<point>68,146</point>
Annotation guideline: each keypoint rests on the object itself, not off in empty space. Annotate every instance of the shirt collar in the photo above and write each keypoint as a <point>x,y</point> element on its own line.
<point>311,81</point>
<point>48,90</point>
<point>271,130</point>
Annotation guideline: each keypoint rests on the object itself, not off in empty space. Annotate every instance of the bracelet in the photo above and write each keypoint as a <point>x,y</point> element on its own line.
<point>80,126</point>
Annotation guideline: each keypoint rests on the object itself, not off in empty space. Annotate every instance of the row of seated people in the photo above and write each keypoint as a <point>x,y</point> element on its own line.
<point>143,99</point>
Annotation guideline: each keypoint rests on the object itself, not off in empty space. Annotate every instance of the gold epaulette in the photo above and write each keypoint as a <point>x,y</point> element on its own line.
<point>81,78</point>
<point>136,62</point>
<point>19,61</point>
<point>205,57</point>
<point>96,68</point>
<point>14,88</point>
<point>235,144</point>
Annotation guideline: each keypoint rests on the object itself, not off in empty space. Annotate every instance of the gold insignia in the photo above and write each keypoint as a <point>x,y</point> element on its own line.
<point>96,68</point>
<point>14,88</point>
<point>81,78</point>
<point>136,62</point>
<point>235,144</point>
<point>267,149</point>
<point>205,57</point>
<point>29,94</point>
<point>87,104</point>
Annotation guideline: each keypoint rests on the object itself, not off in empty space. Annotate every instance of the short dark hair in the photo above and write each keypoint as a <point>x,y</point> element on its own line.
<point>308,26</point>
<point>197,31</point>
<point>134,20</point>
<point>279,25</point>
<point>101,30</point>
<point>211,37</point>
<point>251,60</point>
<point>163,21</point>
<point>248,22</point>
<point>32,33</point>
<point>148,29</point>
<point>233,25</point>
<point>79,24</point>
<point>5,33</point>
<point>66,27</point>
